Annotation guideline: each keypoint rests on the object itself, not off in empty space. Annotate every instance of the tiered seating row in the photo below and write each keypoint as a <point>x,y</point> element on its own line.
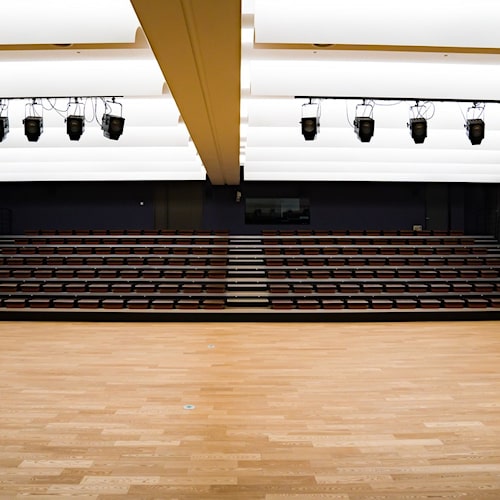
<point>217,271</point>
<point>121,232</point>
<point>360,232</point>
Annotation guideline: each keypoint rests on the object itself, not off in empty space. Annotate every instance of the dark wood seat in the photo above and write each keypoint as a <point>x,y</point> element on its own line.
<point>405,303</point>
<point>88,303</point>
<point>138,304</point>
<point>308,304</point>
<point>213,304</point>
<point>439,287</point>
<point>483,287</point>
<point>151,273</point>
<point>453,303</point>
<point>320,275</point>
<point>64,273</point>
<point>298,274</point>
<point>332,303</point>
<point>381,303</point>
<point>168,288</point>
<point>107,273</point>
<point>372,287</point>
<point>113,304</point>
<point>15,303</point>
<point>276,274</point>
<point>303,288</point>
<point>216,274</point>
<point>386,273</point>
<point>416,287</point>
<point>187,304</point>
<point>22,273</point>
<point>326,288</point>
<point>60,303</point>
<point>75,287</point>
<point>30,287</point>
<point>357,304</point>
<point>8,287</point>
<point>461,287</point>
<point>495,302</point>
<point>429,303</point>
<point>191,288</point>
<point>342,273</point>
<point>407,273</point>
<point>144,288</point>
<point>477,303</point>
<point>39,303</point>
<point>52,287</point>
<point>349,288</point>
<point>162,304</point>
<point>394,288</point>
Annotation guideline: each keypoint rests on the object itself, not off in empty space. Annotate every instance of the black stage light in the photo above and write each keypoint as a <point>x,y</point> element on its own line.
<point>309,127</point>
<point>112,126</point>
<point>33,127</point>
<point>364,127</point>
<point>75,125</point>
<point>418,129</point>
<point>4,127</point>
<point>475,130</point>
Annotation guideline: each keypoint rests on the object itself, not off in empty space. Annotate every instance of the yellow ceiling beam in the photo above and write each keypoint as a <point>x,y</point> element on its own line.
<point>198,46</point>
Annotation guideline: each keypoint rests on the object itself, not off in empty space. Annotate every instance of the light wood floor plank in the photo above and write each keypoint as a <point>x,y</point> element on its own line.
<point>346,411</point>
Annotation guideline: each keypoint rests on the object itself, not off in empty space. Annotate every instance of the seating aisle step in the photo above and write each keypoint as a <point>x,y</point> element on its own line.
<point>250,273</point>
<point>246,262</point>
<point>246,286</point>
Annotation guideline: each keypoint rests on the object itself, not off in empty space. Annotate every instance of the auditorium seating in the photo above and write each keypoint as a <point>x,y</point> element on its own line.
<point>305,272</point>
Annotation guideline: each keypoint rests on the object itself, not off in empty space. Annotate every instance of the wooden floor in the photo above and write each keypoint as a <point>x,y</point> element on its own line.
<point>345,411</point>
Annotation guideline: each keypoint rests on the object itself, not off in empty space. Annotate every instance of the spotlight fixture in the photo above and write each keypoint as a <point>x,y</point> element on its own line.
<point>475,130</point>
<point>33,123</point>
<point>112,126</point>
<point>364,126</point>
<point>309,128</point>
<point>310,120</point>
<point>4,127</point>
<point>418,129</point>
<point>75,119</point>
<point>75,125</point>
<point>33,127</point>
<point>419,114</point>
<point>4,120</point>
<point>474,124</point>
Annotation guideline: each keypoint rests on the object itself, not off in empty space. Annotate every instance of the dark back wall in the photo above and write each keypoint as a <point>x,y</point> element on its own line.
<point>199,205</point>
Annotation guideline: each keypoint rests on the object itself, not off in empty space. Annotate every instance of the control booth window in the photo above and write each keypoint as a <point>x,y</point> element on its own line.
<point>277,211</point>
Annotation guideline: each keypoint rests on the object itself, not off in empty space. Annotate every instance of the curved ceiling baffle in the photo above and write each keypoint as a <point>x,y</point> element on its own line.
<point>197,44</point>
<point>57,49</point>
<point>370,50</point>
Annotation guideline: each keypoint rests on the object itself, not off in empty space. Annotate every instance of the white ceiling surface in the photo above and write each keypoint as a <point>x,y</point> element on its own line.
<point>278,70</point>
<point>279,62</point>
<point>155,144</point>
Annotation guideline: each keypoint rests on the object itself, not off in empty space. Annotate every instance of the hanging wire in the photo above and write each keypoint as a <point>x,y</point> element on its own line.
<point>366,105</point>
<point>52,106</point>
<point>425,110</point>
<point>4,106</point>
<point>31,108</point>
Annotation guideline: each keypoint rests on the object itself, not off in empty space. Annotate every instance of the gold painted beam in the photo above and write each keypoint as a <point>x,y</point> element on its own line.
<point>198,46</point>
